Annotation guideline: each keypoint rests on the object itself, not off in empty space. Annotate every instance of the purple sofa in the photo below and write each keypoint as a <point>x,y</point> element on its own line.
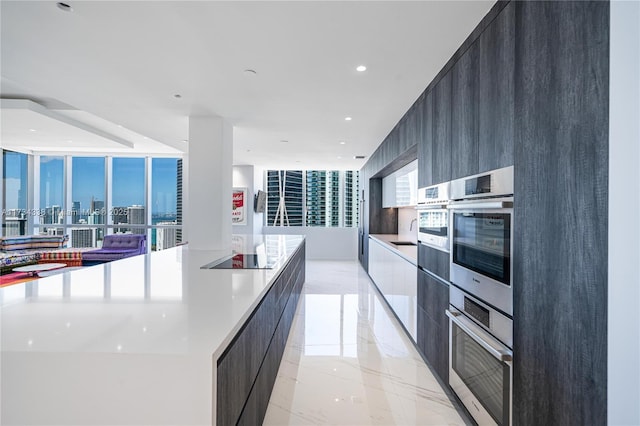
<point>116,247</point>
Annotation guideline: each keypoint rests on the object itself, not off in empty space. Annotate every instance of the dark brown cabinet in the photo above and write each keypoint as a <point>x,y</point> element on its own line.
<point>530,88</point>
<point>441,151</point>
<point>496,92</point>
<point>411,127</point>
<point>247,369</point>
<point>464,114</point>
<point>560,211</point>
<point>433,324</point>
<point>434,261</point>
<point>425,142</point>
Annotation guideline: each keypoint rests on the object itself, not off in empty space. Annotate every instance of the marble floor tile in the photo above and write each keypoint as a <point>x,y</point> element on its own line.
<point>349,362</point>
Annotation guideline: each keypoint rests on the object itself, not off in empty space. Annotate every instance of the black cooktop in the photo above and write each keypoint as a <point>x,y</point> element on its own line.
<point>240,261</point>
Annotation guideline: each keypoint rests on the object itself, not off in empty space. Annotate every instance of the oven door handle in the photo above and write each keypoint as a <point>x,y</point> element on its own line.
<point>496,349</point>
<point>481,205</point>
<point>431,207</point>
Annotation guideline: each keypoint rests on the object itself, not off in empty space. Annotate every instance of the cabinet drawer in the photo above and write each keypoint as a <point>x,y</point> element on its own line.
<point>433,298</point>
<point>434,261</point>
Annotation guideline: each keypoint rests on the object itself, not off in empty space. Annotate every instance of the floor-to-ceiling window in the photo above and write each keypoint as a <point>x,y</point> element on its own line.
<point>53,210</point>
<point>88,192</point>
<point>15,189</point>
<point>87,197</point>
<point>128,196</point>
<point>166,200</point>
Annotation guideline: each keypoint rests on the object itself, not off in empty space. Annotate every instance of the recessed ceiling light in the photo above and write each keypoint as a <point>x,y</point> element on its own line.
<point>342,142</point>
<point>347,118</point>
<point>32,130</point>
<point>358,157</point>
<point>185,140</point>
<point>177,96</point>
<point>249,71</point>
<point>64,6</point>
<point>361,68</point>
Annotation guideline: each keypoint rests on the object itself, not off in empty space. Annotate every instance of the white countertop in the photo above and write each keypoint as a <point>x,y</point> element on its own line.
<point>128,342</point>
<point>410,253</point>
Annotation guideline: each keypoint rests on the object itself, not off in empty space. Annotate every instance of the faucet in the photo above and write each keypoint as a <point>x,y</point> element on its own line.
<point>412,222</point>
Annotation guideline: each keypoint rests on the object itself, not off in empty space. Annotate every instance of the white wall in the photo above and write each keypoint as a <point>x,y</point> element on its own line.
<point>623,394</point>
<point>251,178</point>
<point>258,183</point>
<point>407,224</point>
<point>323,243</point>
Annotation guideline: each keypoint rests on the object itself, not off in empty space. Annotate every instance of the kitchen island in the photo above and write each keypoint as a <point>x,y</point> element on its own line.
<point>152,339</point>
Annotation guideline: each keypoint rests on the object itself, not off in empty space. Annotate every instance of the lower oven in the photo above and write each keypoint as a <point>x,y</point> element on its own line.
<point>480,358</point>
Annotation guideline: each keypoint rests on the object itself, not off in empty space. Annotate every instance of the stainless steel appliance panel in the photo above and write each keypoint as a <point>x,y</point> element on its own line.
<point>433,218</point>
<point>433,227</point>
<point>480,370</point>
<point>495,323</point>
<point>495,183</point>
<point>435,194</point>
<point>481,244</point>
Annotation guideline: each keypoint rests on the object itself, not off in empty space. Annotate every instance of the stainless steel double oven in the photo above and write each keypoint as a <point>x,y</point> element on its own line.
<point>481,297</point>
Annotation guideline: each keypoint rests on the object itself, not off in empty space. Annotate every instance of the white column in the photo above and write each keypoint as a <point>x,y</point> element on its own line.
<point>623,387</point>
<point>207,205</point>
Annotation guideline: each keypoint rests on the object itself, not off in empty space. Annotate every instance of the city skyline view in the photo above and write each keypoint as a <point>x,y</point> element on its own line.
<point>89,197</point>
<point>128,185</point>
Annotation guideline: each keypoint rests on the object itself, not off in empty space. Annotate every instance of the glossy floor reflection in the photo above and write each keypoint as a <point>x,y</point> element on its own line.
<point>348,362</point>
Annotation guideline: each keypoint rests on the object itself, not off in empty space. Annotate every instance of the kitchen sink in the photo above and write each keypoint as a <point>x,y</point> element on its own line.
<point>403,243</point>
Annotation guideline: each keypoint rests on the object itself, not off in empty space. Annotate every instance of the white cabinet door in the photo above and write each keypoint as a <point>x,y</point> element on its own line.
<point>375,262</point>
<point>400,188</point>
<point>397,280</point>
<point>411,291</point>
<point>389,191</point>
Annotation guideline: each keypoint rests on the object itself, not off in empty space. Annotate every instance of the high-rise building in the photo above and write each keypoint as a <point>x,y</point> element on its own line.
<point>83,237</point>
<point>55,231</point>
<point>351,198</point>
<point>75,212</point>
<point>323,198</point>
<point>13,226</point>
<point>135,216</point>
<point>316,198</point>
<point>119,216</point>
<point>94,218</point>
<point>96,211</point>
<point>288,185</point>
<point>179,199</point>
<point>52,215</point>
<point>166,237</point>
<point>332,203</point>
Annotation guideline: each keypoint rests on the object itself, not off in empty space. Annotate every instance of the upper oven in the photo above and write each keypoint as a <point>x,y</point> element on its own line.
<point>481,223</point>
<point>433,216</point>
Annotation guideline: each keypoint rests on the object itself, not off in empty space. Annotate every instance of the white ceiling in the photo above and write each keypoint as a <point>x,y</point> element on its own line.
<point>112,63</point>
